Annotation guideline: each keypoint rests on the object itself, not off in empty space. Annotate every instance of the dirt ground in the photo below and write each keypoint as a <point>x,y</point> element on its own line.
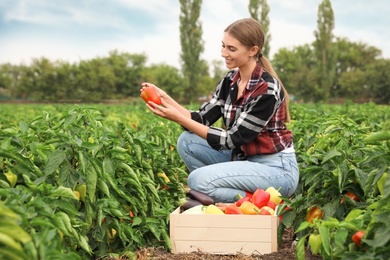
<point>285,252</point>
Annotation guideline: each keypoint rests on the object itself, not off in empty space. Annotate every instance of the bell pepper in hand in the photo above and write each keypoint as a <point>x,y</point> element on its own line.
<point>149,93</point>
<point>260,198</point>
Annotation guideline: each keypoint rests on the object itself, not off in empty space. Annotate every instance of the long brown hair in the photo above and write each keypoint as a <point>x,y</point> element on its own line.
<point>250,33</point>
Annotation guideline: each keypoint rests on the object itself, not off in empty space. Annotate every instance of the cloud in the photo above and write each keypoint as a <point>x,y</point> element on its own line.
<point>83,29</point>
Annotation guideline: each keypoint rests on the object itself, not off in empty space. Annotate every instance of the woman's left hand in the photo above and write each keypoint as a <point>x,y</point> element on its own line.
<point>165,110</point>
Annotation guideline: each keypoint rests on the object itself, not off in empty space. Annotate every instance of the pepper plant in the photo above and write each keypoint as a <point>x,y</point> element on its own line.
<point>89,189</point>
<point>338,157</point>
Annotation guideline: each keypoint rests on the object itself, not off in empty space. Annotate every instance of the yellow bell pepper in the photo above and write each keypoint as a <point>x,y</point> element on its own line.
<point>212,209</point>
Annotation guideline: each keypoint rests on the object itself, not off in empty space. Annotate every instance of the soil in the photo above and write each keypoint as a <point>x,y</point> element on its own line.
<point>286,251</point>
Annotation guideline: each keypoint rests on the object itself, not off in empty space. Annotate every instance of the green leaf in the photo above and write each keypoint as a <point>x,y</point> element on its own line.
<point>300,250</point>
<point>325,235</point>
<point>70,120</point>
<point>108,167</point>
<point>377,137</point>
<point>340,237</point>
<point>23,126</point>
<point>84,243</point>
<point>155,229</point>
<point>103,187</point>
<point>16,233</point>
<point>361,177</point>
<point>63,192</point>
<point>92,177</point>
<point>9,241</point>
<point>59,223</point>
<point>11,253</point>
<point>54,161</point>
<point>136,221</point>
<point>83,162</point>
<point>353,214</point>
<point>303,226</point>
<point>288,218</point>
<point>329,155</point>
<point>381,238</point>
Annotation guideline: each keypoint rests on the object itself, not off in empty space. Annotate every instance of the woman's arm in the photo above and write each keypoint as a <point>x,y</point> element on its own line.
<point>172,112</point>
<point>169,100</point>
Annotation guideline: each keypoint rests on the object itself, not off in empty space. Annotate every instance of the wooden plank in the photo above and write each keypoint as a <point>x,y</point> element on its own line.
<point>223,234</point>
<point>222,248</point>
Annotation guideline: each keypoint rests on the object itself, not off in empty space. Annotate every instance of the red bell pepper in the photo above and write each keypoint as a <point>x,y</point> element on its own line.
<point>233,209</point>
<point>314,213</point>
<point>240,201</point>
<point>260,198</point>
<point>149,93</point>
<point>271,204</point>
<point>357,237</point>
<point>264,212</point>
<point>249,194</point>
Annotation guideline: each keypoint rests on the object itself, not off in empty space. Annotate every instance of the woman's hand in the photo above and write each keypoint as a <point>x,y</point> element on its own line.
<point>161,92</point>
<point>165,110</point>
<point>169,108</point>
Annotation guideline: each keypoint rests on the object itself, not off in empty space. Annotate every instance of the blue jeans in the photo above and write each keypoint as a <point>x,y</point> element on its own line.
<point>214,173</point>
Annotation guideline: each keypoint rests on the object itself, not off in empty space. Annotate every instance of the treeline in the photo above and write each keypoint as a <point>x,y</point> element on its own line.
<point>361,75</point>
<point>116,76</point>
<point>330,69</point>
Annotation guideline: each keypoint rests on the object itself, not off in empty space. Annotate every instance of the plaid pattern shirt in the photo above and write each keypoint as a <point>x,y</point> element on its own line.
<point>254,122</point>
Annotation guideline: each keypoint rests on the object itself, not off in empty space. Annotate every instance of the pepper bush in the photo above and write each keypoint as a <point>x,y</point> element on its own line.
<point>88,182</point>
<point>339,154</point>
<point>128,180</point>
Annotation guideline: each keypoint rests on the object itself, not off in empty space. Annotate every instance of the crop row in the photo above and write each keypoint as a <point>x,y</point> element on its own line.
<point>83,182</point>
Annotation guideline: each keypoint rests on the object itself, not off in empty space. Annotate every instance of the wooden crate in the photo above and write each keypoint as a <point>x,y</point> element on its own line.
<point>223,234</point>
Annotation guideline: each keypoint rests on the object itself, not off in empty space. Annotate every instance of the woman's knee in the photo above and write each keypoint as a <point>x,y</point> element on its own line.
<point>198,181</point>
<point>183,141</point>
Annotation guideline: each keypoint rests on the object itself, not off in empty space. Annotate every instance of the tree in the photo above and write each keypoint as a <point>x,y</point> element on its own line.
<point>42,75</point>
<point>166,77</point>
<point>259,10</point>
<point>127,69</point>
<point>95,81</point>
<point>9,75</point>
<point>324,50</point>
<point>295,68</point>
<point>353,61</point>
<point>378,80</point>
<point>64,83</point>
<point>192,45</point>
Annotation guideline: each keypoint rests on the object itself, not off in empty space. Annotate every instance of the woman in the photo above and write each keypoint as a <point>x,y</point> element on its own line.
<point>255,149</point>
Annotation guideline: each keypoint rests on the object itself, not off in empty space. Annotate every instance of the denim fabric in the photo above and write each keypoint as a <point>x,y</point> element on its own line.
<point>215,174</point>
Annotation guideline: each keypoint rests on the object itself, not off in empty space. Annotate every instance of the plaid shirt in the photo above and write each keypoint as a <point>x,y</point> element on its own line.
<point>254,123</point>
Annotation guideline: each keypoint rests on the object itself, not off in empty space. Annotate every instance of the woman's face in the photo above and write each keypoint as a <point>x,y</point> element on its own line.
<point>236,54</point>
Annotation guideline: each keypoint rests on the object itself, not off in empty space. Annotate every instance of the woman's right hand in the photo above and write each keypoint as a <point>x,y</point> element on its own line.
<point>161,92</point>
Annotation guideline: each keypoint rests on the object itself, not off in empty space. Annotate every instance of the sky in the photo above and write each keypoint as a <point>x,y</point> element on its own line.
<point>75,30</point>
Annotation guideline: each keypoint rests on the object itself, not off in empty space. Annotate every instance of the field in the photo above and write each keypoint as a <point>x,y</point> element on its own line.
<point>99,181</point>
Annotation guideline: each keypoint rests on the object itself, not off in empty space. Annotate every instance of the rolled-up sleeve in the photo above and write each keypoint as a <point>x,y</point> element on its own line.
<point>247,127</point>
